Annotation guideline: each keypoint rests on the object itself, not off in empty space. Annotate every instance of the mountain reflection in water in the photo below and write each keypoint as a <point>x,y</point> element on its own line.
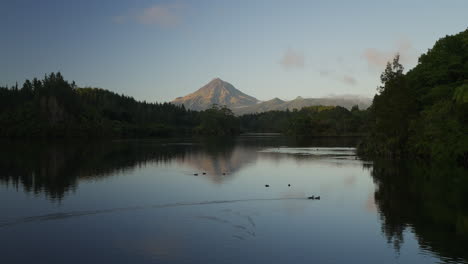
<point>55,168</point>
<point>412,201</point>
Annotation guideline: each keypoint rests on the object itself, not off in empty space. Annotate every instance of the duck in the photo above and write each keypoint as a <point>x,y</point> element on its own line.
<point>317,198</point>
<point>204,173</point>
<point>311,197</point>
<point>266,185</point>
<point>196,174</point>
<point>289,185</point>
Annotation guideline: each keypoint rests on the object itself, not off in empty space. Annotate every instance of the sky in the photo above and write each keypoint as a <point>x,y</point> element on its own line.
<point>159,50</point>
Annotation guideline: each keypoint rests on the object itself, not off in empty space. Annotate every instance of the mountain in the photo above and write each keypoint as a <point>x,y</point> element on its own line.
<point>260,107</point>
<point>299,102</point>
<point>223,93</point>
<point>218,92</point>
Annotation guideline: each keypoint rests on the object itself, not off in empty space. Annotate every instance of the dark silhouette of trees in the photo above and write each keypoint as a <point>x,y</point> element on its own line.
<point>218,120</point>
<point>308,121</point>
<point>424,112</point>
<point>53,107</point>
<point>56,108</point>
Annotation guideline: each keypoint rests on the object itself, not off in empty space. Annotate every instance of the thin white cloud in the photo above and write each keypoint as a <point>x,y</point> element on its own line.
<point>350,80</point>
<point>332,75</point>
<point>377,59</point>
<point>292,60</point>
<point>164,15</point>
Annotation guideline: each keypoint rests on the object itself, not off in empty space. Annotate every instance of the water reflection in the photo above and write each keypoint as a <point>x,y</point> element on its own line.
<point>412,203</point>
<point>74,214</point>
<point>55,168</point>
<point>429,201</point>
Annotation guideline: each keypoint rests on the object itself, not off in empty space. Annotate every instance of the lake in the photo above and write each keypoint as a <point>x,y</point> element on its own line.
<point>138,201</point>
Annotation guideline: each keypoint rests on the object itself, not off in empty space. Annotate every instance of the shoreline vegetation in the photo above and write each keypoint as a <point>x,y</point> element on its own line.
<point>421,113</point>
<point>55,108</point>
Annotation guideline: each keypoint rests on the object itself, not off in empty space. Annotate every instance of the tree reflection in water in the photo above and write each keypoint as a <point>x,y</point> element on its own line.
<point>55,168</point>
<point>430,201</point>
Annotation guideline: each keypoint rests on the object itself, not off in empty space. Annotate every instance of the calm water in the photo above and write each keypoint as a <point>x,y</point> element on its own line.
<point>140,202</point>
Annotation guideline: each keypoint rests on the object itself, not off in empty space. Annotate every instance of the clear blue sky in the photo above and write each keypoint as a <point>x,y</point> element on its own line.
<point>158,50</point>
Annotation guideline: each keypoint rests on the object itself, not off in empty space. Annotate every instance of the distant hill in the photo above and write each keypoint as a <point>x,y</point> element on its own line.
<point>220,92</point>
<point>298,103</point>
<point>55,108</point>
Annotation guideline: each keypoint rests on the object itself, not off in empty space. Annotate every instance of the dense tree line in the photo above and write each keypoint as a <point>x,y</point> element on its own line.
<point>308,121</point>
<point>424,112</point>
<point>53,107</point>
<point>218,120</point>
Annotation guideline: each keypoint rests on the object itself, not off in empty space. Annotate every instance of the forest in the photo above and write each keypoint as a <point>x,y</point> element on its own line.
<point>55,108</point>
<point>423,112</point>
<point>308,121</point>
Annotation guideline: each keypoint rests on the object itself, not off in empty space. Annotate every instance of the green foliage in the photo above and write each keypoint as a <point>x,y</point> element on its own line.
<point>392,72</point>
<point>271,121</point>
<point>436,129</point>
<point>424,112</point>
<point>218,121</point>
<point>309,121</point>
<point>461,94</point>
<point>53,107</point>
